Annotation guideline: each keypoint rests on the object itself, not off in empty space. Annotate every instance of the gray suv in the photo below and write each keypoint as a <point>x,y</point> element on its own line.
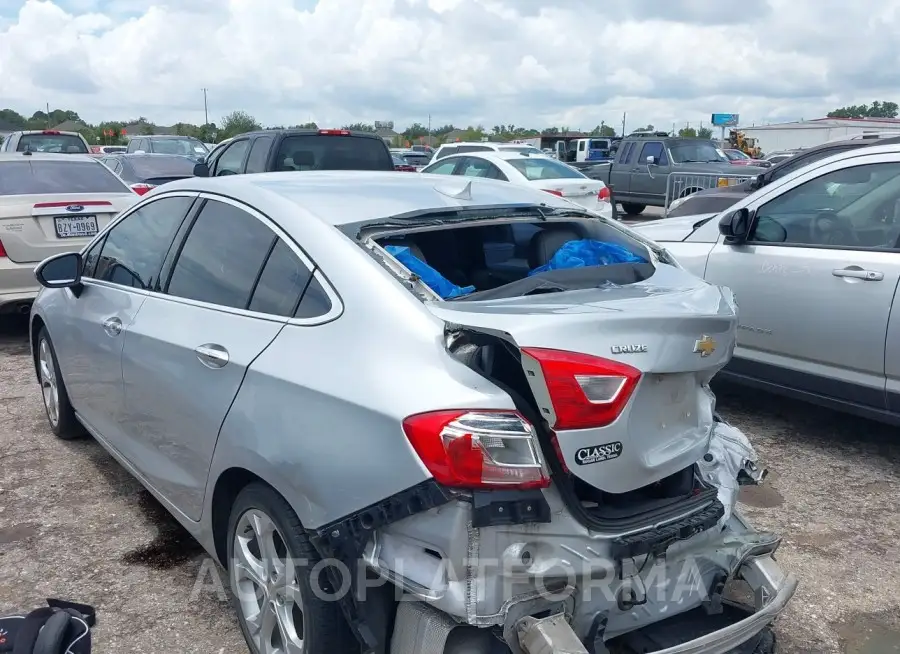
<point>187,146</point>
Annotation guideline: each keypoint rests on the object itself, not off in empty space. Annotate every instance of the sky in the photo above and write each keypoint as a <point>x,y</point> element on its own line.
<point>534,63</point>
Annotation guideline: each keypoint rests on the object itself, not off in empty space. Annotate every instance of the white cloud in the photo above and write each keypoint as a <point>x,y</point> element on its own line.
<point>527,62</point>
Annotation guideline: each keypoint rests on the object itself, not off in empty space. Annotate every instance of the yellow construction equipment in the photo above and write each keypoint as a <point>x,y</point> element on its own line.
<point>739,141</point>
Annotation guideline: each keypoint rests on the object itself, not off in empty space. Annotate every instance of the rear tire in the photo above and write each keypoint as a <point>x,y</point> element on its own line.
<point>270,561</point>
<point>633,209</point>
<point>60,413</point>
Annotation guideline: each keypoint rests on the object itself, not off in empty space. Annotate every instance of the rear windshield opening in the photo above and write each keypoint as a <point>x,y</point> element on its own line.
<point>520,258</point>
<point>44,177</point>
<point>544,168</point>
<point>60,143</point>
<point>333,152</point>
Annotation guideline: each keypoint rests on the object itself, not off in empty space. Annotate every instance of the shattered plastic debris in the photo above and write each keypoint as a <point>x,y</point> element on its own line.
<point>730,454</point>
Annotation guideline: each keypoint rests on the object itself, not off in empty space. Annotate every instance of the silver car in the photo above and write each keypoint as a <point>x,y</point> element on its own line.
<point>814,261</point>
<point>357,386</point>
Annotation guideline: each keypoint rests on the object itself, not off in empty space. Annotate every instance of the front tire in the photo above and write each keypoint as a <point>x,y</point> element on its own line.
<point>271,563</point>
<point>60,413</point>
<point>633,209</point>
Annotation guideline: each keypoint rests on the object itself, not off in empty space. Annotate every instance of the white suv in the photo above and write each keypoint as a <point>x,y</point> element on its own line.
<point>461,148</point>
<point>46,140</point>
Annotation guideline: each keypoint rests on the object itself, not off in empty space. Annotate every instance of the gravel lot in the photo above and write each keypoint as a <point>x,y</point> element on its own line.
<point>74,525</point>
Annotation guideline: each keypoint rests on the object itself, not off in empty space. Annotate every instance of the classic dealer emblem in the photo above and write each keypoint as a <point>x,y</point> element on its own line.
<point>597,453</point>
<point>705,346</point>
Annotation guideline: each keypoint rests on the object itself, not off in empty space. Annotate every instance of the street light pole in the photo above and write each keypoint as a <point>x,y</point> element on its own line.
<point>205,108</point>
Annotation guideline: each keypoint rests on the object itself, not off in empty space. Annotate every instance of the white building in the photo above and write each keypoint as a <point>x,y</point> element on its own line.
<point>807,133</point>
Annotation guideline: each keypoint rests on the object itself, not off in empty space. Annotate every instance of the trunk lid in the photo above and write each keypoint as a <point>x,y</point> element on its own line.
<point>675,329</point>
<point>34,227</point>
<point>583,192</point>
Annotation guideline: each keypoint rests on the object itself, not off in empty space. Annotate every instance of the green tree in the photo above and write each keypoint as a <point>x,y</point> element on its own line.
<point>875,110</point>
<point>415,131</point>
<point>551,131</point>
<point>13,118</point>
<point>238,122</point>
<point>360,127</point>
<point>603,130</point>
<point>441,132</point>
<point>704,133</point>
<point>306,126</point>
<point>687,132</point>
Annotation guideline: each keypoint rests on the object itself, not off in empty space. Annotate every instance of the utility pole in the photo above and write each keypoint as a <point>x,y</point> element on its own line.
<point>429,130</point>
<point>205,108</point>
<point>48,116</point>
<point>623,124</point>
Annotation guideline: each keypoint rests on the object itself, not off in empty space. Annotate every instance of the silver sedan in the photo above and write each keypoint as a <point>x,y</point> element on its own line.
<point>814,261</point>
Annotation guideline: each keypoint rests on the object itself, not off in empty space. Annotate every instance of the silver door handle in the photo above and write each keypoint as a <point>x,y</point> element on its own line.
<point>112,326</point>
<point>859,273</point>
<point>212,355</point>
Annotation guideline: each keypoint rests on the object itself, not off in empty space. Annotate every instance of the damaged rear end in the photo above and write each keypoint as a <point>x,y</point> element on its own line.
<point>599,514</point>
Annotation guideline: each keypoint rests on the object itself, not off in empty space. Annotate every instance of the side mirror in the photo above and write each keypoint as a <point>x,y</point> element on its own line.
<point>651,161</point>
<point>201,169</point>
<point>60,271</point>
<point>735,226</point>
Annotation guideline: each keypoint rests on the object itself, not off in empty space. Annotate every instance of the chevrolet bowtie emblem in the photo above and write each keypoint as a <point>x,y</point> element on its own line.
<point>705,346</point>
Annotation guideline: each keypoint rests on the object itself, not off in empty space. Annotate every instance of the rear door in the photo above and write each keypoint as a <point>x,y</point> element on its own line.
<point>258,159</point>
<point>53,206</point>
<point>228,293</point>
<point>816,281</point>
<point>620,169</point>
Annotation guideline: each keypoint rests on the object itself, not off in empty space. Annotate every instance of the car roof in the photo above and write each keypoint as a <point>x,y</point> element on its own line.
<point>45,156</point>
<point>48,132</point>
<point>376,195</point>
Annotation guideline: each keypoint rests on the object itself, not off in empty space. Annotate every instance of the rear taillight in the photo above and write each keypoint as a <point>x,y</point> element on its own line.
<point>477,448</point>
<point>140,189</point>
<point>553,191</point>
<point>2,250</point>
<point>335,132</point>
<point>604,195</point>
<point>586,391</point>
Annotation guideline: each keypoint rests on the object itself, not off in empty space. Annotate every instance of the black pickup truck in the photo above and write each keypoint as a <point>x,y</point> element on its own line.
<point>275,150</point>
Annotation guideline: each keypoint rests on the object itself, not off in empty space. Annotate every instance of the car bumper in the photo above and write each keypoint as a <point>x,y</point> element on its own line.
<point>18,286</point>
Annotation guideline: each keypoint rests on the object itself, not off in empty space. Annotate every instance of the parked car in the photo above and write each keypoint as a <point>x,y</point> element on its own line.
<point>165,144</point>
<point>45,141</point>
<point>49,203</point>
<point>718,199</point>
<point>238,344</point>
<point>274,150</point>
<point>107,149</point>
<point>539,172</point>
<point>414,158</point>
<point>447,149</point>
<point>402,166</point>
<point>814,260</point>
<point>741,158</point>
<point>144,172</point>
<point>640,172</point>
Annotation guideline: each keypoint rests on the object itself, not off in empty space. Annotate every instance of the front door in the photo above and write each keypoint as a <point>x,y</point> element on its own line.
<point>119,269</point>
<point>816,280</point>
<point>229,293</point>
<point>648,180</point>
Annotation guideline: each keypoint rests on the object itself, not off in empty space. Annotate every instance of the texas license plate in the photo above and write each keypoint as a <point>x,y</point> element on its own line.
<point>75,226</point>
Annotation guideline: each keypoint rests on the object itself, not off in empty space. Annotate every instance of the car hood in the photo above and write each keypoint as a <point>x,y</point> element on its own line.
<point>723,167</point>
<point>670,229</point>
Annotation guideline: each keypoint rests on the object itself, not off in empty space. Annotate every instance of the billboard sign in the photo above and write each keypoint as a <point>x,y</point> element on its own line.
<point>725,120</point>
<point>384,124</point>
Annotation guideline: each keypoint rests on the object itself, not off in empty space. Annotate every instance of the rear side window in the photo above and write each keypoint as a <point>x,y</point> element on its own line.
<point>332,152</point>
<point>161,166</point>
<point>626,152</point>
<point>259,155</point>
<point>534,169</point>
<point>133,250</point>
<point>473,148</point>
<point>64,143</point>
<point>222,257</point>
<point>446,152</point>
<point>282,282</point>
<point>40,177</point>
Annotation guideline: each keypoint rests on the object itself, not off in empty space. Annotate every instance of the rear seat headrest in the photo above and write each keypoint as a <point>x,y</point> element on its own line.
<point>546,242</point>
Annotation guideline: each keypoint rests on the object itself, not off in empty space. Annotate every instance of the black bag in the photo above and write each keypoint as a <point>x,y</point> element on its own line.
<point>59,628</point>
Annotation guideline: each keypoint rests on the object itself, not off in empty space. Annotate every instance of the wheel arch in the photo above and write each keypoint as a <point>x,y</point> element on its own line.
<point>37,323</point>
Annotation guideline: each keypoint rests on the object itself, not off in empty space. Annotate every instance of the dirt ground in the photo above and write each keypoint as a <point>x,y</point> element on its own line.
<point>74,525</point>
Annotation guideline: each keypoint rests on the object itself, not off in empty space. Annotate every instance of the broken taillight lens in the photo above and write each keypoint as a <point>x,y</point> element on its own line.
<point>604,195</point>
<point>2,250</point>
<point>586,391</point>
<point>477,448</point>
<point>141,189</point>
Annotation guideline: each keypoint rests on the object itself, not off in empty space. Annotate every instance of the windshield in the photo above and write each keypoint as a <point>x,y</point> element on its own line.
<point>696,152</point>
<point>544,168</point>
<point>735,155</point>
<point>417,159</point>
<point>187,147</point>
<point>65,143</point>
<point>598,144</point>
<point>162,166</point>
<point>46,177</point>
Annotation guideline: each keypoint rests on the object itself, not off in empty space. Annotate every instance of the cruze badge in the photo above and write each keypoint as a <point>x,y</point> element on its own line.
<point>628,349</point>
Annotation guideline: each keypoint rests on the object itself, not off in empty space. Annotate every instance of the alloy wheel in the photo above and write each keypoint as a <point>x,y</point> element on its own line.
<point>49,388</point>
<point>264,580</point>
